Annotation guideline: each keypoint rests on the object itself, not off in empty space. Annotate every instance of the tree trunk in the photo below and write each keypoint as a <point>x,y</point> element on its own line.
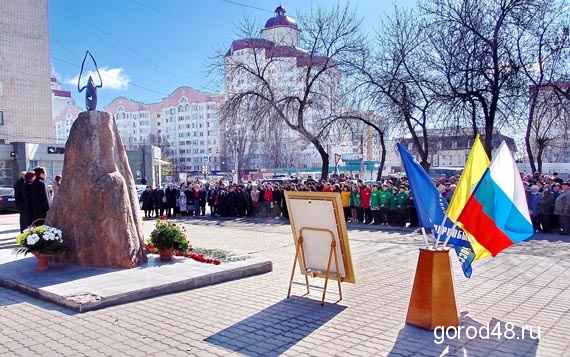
<point>527,138</point>
<point>382,157</point>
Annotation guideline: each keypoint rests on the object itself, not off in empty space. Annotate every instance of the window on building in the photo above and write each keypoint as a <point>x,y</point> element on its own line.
<point>1,117</point>
<point>454,144</point>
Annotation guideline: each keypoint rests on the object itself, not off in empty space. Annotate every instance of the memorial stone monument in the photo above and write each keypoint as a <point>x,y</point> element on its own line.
<point>97,206</point>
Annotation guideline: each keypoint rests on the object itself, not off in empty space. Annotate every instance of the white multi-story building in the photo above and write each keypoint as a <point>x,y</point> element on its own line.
<point>185,125</point>
<point>278,52</point>
<point>64,111</point>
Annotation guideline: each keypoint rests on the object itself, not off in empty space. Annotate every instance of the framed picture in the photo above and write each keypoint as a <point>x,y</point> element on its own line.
<point>318,217</point>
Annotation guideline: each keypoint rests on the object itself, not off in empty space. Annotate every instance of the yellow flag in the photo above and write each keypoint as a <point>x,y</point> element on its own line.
<point>475,167</point>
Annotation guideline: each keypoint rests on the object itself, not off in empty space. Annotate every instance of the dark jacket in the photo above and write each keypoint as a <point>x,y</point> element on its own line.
<point>147,199</point>
<point>158,195</point>
<point>41,199</point>
<point>545,203</point>
<point>171,196</point>
<point>19,194</point>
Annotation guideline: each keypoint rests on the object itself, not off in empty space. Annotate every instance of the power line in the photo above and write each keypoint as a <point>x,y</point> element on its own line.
<point>158,10</point>
<point>130,83</point>
<point>123,46</point>
<point>247,6</point>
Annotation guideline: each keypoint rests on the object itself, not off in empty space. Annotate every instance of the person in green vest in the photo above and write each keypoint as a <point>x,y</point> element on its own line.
<point>375,205</point>
<point>354,203</point>
<point>402,205</point>
<point>384,198</point>
<point>393,208</point>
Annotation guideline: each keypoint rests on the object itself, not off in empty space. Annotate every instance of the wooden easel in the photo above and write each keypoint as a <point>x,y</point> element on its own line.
<point>306,270</point>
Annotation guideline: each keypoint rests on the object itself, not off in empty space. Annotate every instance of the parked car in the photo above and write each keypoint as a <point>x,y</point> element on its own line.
<point>7,200</point>
<point>279,181</point>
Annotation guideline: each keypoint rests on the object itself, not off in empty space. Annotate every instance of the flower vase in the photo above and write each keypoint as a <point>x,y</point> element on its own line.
<point>43,259</point>
<point>165,253</point>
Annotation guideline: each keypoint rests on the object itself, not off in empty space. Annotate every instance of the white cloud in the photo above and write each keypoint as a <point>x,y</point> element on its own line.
<point>113,78</point>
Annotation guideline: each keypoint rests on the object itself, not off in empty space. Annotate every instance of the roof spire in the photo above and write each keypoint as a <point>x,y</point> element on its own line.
<point>280,11</point>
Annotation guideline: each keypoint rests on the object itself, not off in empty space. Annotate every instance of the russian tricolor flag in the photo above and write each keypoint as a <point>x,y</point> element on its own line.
<point>496,214</point>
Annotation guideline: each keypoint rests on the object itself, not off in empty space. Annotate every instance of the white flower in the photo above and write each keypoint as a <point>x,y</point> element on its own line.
<point>32,239</point>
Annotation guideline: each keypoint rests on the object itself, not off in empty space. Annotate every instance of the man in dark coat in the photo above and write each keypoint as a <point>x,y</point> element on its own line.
<point>158,204</point>
<point>20,203</point>
<point>41,196</point>
<point>147,199</point>
<point>171,194</point>
<point>28,201</point>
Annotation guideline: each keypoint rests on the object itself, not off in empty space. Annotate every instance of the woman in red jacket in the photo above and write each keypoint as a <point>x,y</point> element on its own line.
<point>365,192</point>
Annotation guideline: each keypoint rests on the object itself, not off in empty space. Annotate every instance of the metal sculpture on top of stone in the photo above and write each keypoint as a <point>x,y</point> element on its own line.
<point>91,92</point>
<point>97,206</point>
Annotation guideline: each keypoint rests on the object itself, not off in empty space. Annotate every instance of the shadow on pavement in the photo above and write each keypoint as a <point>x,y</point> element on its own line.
<point>471,338</point>
<point>277,328</point>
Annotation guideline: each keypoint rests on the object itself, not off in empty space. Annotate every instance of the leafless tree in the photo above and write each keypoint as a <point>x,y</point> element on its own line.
<point>239,135</point>
<point>308,96</point>
<point>394,74</point>
<point>476,57</point>
<point>359,114</point>
<point>543,47</point>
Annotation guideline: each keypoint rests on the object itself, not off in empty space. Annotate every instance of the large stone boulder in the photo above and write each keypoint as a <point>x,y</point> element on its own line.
<point>97,206</point>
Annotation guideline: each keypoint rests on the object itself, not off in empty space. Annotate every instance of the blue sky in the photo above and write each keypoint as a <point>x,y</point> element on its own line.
<point>146,49</point>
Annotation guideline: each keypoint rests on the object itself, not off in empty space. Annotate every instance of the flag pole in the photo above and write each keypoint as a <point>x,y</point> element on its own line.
<point>439,233</point>
<point>425,237</point>
<point>449,235</point>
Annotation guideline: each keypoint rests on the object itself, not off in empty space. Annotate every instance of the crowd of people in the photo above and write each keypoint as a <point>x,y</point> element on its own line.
<point>379,203</point>
<point>387,202</point>
<point>548,198</point>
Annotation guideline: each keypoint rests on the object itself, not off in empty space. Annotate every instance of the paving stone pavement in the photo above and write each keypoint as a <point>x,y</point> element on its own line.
<point>527,286</point>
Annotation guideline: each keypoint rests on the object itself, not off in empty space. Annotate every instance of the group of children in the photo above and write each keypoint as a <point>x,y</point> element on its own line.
<point>379,204</point>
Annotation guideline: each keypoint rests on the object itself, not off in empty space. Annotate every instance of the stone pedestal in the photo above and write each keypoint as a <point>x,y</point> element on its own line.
<point>97,206</point>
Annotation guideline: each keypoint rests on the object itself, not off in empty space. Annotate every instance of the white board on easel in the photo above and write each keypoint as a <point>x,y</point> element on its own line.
<point>319,212</point>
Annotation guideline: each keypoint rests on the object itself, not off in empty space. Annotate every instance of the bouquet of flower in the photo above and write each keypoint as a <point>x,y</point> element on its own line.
<point>42,239</point>
<point>168,234</point>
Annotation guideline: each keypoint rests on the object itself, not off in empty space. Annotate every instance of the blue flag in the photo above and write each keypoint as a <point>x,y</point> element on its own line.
<point>431,207</point>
